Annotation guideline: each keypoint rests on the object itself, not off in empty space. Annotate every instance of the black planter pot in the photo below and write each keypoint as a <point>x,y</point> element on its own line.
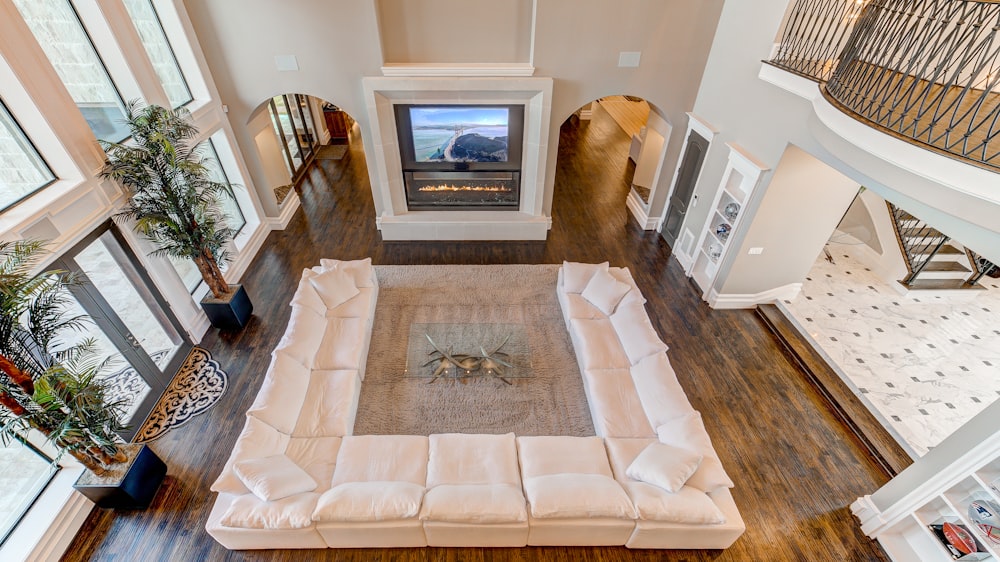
<point>134,488</point>
<point>229,314</point>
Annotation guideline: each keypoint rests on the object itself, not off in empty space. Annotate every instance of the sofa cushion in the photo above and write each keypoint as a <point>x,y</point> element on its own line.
<point>458,458</point>
<point>597,344</point>
<point>342,344</point>
<point>604,291</point>
<point>250,512</point>
<point>549,454</point>
<point>662,397</point>
<point>303,335</point>
<point>688,506</point>
<point>306,295</point>
<point>360,270</point>
<point>622,274</point>
<point>635,332</point>
<point>382,458</point>
<point>359,306</point>
<point>255,441</point>
<point>577,275</point>
<point>688,432</point>
<point>369,501</point>
<point>579,307</point>
<point>282,393</point>
<point>664,466</point>
<point>563,496</point>
<point>334,287</point>
<point>274,477</point>
<point>317,456</point>
<point>474,503</point>
<point>330,401</point>
<point>614,404</point>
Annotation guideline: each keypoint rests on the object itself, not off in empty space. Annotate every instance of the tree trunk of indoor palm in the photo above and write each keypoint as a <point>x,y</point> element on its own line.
<point>212,275</point>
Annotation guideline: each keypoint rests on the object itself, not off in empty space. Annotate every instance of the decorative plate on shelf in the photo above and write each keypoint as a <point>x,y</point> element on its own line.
<point>714,251</point>
<point>722,230</point>
<point>732,210</point>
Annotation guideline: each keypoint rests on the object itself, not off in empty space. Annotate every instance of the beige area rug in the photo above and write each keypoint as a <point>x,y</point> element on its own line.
<point>549,402</point>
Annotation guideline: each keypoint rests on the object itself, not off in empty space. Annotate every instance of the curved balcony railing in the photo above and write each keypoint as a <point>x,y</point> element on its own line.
<point>927,71</point>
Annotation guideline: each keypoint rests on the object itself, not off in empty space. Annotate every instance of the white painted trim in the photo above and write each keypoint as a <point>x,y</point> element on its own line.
<point>638,210</point>
<point>708,132</point>
<point>291,205</point>
<point>726,301</point>
<point>458,69</point>
<point>789,81</point>
<point>444,225</point>
<point>47,529</point>
<point>685,260</point>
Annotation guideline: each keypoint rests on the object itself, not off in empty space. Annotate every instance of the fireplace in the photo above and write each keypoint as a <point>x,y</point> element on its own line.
<point>462,191</point>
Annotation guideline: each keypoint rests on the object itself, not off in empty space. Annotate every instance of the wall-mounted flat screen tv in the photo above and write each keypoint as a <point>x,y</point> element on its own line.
<point>460,137</point>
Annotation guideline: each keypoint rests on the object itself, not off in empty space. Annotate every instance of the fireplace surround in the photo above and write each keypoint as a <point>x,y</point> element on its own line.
<point>513,210</point>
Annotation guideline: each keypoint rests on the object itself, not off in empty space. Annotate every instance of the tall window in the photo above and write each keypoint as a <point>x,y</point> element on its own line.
<point>235,219</point>
<point>61,34</point>
<point>22,170</point>
<point>24,473</point>
<point>158,48</point>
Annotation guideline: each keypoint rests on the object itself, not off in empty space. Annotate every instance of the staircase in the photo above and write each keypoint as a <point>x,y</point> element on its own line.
<point>934,261</point>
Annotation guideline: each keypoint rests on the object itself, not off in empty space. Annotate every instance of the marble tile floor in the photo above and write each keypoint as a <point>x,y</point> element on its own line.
<point>924,364</point>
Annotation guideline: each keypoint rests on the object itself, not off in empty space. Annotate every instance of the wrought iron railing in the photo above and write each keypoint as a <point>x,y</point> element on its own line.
<point>927,71</point>
<point>918,241</point>
<point>982,267</point>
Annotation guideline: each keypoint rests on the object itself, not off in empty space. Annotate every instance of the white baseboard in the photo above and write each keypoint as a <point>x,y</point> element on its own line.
<point>785,292</point>
<point>685,261</point>
<point>292,204</point>
<point>638,210</point>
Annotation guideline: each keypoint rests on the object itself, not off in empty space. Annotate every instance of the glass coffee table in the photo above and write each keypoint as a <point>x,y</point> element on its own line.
<point>458,350</point>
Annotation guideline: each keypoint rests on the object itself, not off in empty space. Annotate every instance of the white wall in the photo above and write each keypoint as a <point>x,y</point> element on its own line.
<point>576,42</point>
<point>764,119</point>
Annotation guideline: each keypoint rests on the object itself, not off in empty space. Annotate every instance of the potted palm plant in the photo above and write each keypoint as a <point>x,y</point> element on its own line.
<point>50,382</point>
<point>173,201</point>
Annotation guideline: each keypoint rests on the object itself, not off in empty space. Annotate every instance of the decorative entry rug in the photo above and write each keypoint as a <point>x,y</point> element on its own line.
<point>332,152</point>
<point>199,385</point>
<point>551,401</point>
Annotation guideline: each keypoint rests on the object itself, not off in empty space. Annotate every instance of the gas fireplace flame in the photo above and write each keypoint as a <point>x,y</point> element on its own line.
<point>455,188</point>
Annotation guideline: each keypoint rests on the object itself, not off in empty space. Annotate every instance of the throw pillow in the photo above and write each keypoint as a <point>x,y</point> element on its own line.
<point>334,287</point>
<point>306,295</point>
<point>605,292</point>
<point>273,478</point>
<point>577,275</point>
<point>688,432</point>
<point>360,270</point>
<point>664,466</point>
<point>636,332</point>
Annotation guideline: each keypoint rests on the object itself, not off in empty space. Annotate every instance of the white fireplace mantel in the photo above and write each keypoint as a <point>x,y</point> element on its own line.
<point>396,221</point>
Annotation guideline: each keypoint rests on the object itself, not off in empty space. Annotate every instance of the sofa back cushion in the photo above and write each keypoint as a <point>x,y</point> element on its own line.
<point>577,275</point>
<point>382,458</point>
<point>635,332</point>
<point>596,344</point>
<point>282,393</point>
<point>303,335</point>
<point>458,458</point>
<point>662,397</point>
<point>557,454</point>
<point>343,342</point>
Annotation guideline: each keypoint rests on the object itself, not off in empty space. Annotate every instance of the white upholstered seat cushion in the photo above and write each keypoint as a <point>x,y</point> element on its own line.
<point>662,397</point>
<point>250,512</point>
<point>369,501</point>
<point>598,345</point>
<point>255,441</point>
<point>569,495</point>
<point>342,344</point>
<point>688,432</point>
<point>329,406</point>
<point>614,404</point>
<point>474,503</point>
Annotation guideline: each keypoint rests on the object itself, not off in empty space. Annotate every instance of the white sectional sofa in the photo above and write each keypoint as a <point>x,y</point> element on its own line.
<point>297,478</point>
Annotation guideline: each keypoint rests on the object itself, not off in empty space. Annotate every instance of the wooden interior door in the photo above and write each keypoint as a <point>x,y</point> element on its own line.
<point>687,177</point>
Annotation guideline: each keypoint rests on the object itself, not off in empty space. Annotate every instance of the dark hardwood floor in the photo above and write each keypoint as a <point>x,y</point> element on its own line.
<point>796,467</point>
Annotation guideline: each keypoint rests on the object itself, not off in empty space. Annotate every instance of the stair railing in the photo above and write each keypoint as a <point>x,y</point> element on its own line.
<point>918,241</point>
<point>980,267</point>
<point>925,71</point>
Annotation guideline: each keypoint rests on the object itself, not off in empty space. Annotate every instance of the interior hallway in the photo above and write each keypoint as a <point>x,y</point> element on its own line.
<point>796,467</point>
<point>924,365</point>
